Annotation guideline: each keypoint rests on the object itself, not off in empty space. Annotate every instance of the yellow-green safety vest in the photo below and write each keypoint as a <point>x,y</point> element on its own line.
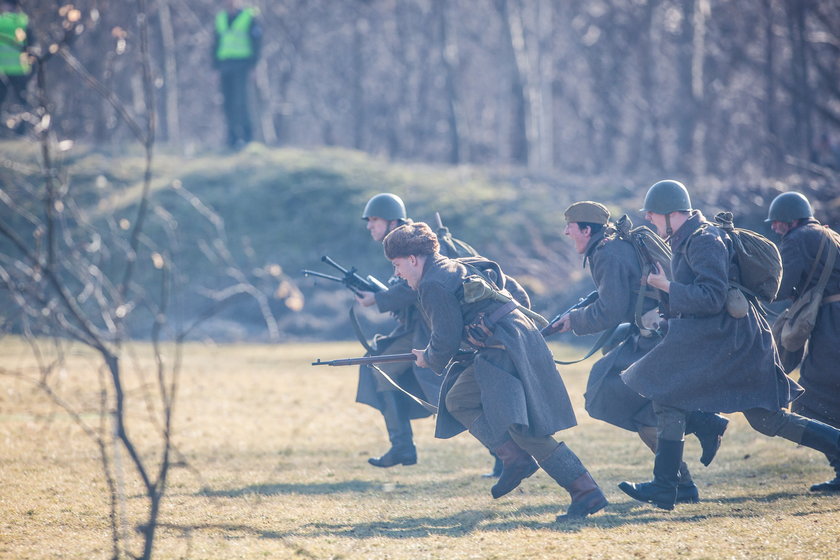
<point>13,61</point>
<point>234,37</point>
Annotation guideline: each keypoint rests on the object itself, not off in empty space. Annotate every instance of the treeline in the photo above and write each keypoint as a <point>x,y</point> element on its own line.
<point>680,87</point>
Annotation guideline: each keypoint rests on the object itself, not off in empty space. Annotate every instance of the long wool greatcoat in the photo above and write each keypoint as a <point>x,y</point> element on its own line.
<point>519,385</point>
<point>617,273</point>
<point>820,371</point>
<point>708,360</point>
<point>410,332</point>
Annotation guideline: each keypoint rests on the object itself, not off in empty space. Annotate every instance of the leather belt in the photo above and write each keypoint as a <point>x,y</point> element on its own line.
<point>831,299</point>
<point>494,317</point>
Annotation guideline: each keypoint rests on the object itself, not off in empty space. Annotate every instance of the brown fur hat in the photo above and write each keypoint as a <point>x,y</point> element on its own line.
<point>411,239</point>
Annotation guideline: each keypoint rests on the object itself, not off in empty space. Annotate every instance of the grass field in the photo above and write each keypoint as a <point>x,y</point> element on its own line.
<point>275,467</point>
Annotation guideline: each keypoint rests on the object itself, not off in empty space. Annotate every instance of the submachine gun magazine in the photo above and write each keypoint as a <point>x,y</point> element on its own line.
<point>351,279</point>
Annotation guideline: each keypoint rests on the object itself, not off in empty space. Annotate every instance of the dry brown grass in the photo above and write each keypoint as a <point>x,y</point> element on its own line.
<point>276,468</point>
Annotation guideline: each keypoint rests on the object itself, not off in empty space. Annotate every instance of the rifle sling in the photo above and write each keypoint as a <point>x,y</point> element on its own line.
<point>602,339</point>
<point>428,406</point>
<point>357,328</point>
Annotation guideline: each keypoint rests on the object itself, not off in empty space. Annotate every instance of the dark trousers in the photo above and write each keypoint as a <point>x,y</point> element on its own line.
<point>16,84</point>
<point>233,79</point>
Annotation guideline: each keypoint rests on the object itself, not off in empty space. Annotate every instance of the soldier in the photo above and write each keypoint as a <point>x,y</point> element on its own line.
<point>617,273</point>
<point>791,217</point>
<point>383,213</point>
<point>510,391</point>
<point>708,360</point>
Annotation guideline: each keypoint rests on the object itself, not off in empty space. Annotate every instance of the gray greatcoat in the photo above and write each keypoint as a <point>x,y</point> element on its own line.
<point>617,273</point>
<point>820,370</point>
<point>708,360</point>
<point>519,384</point>
<point>411,332</point>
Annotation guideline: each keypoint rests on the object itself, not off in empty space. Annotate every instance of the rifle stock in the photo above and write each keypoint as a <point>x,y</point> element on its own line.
<point>583,302</point>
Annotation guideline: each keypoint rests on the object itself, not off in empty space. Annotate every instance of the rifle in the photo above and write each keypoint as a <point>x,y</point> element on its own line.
<point>351,278</point>
<point>583,302</point>
<point>383,359</point>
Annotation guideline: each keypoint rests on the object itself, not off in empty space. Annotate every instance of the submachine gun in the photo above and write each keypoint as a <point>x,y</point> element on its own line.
<point>351,279</point>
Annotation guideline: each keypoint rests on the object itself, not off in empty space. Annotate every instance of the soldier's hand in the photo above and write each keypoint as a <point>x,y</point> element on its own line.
<point>366,299</point>
<point>564,322</point>
<point>659,280</point>
<point>421,359</point>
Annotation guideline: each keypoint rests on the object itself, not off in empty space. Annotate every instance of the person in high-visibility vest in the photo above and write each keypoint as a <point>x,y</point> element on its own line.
<point>15,67</point>
<point>236,50</point>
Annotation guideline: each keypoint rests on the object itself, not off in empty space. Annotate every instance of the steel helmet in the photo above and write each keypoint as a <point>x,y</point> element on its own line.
<point>667,196</point>
<point>386,206</point>
<point>788,207</point>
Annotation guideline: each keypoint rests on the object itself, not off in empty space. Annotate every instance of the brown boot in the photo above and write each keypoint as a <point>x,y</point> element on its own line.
<point>517,465</point>
<point>568,471</point>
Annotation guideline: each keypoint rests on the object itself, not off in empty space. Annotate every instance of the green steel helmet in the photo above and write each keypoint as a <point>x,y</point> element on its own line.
<point>788,207</point>
<point>667,196</point>
<point>386,206</point>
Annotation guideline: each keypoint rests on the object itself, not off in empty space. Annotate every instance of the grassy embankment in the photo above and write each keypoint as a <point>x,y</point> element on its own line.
<point>276,468</point>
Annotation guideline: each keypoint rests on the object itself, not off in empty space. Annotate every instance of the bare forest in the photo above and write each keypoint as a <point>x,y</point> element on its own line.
<point>693,87</point>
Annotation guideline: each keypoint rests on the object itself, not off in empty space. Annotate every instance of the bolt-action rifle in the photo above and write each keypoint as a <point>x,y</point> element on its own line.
<point>554,326</point>
<point>384,359</point>
<point>351,278</point>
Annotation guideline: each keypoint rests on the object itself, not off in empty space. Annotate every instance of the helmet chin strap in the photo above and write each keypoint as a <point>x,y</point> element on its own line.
<point>669,231</point>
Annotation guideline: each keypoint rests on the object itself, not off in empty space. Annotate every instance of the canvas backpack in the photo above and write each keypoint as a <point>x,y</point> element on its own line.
<point>757,257</point>
<point>651,250</point>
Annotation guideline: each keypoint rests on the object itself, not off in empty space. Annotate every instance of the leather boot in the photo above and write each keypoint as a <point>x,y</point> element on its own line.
<point>662,490</point>
<point>687,491</point>
<point>397,423</point>
<point>821,437</point>
<point>497,468</point>
<point>709,428</point>
<point>830,485</point>
<point>567,470</point>
<point>517,465</point>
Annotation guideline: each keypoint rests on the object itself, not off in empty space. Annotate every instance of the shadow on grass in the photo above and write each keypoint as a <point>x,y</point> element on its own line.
<point>312,489</point>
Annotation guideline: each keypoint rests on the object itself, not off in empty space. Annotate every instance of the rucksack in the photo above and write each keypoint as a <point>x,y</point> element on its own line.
<point>651,250</point>
<point>757,257</point>
<point>450,246</point>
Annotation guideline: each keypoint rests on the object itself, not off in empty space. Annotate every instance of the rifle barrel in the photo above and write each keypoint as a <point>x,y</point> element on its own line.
<point>385,358</point>
<point>317,274</point>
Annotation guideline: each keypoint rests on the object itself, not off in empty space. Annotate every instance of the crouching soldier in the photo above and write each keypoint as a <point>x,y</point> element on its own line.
<point>510,393</point>
<point>617,273</point>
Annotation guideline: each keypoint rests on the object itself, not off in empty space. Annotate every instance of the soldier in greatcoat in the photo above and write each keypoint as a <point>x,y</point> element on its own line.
<point>708,360</point>
<point>792,217</point>
<point>617,273</point>
<point>510,392</point>
<point>382,213</point>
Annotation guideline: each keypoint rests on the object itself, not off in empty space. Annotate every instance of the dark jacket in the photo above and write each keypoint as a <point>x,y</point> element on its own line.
<point>708,360</point>
<point>819,371</point>
<point>519,384</point>
<point>617,273</point>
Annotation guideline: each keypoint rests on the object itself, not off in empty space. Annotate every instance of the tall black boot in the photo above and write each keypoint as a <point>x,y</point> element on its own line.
<point>830,485</point>
<point>662,490</point>
<point>709,428</point>
<point>821,437</point>
<point>397,423</point>
<point>687,491</point>
<point>568,471</point>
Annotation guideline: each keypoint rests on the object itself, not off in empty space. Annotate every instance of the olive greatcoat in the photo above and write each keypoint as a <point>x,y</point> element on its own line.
<point>519,384</point>
<point>708,360</point>
<point>617,273</point>
<point>819,372</point>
